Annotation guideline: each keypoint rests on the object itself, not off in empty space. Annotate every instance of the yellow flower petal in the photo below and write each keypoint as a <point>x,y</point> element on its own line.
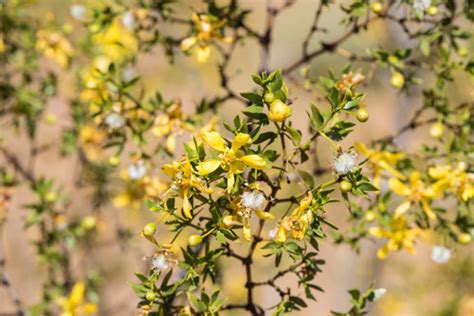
<point>240,140</point>
<point>208,166</point>
<point>383,164</point>
<point>399,187</point>
<point>383,252</point>
<point>427,209</point>
<point>90,308</point>
<point>187,207</point>
<point>202,53</point>
<point>282,233</point>
<point>214,140</point>
<point>187,43</point>
<point>77,294</point>
<point>402,208</point>
<point>264,215</point>
<point>121,200</point>
<point>254,161</point>
<point>376,232</point>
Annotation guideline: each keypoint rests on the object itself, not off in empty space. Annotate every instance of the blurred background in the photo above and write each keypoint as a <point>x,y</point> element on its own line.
<point>415,284</point>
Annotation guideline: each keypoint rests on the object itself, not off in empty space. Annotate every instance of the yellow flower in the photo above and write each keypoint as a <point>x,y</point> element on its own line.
<point>456,179</point>
<point>170,125</point>
<point>437,130</point>
<point>55,46</point>
<point>298,222</point>
<point>74,304</point>
<point>399,236</point>
<point>250,202</point>
<point>207,29</point>
<point>94,87</point>
<point>349,80</point>
<point>231,158</point>
<point>136,191</point>
<point>381,160</point>
<point>91,140</point>
<point>415,193</point>
<point>116,41</point>
<point>183,181</point>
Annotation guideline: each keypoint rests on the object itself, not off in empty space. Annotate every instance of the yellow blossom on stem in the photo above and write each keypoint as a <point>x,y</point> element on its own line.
<point>116,41</point>
<point>74,304</point>
<point>250,203</point>
<point>170,125</point>
<point>381,160</point>
<point>417,192</point>
<point>298,222</point>
<point>94,88</point>
<point>207,29</point>
<point>55,46</point>
<point>455,179</point>
<point>137,190</point>
<point>91,140</point>
<point>183,181</point>
<point>399,236</point>
<point>231,159</point>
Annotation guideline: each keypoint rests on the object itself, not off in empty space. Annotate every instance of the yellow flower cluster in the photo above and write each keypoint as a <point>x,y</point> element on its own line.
<point>399,236</point>
<point>243,213</point>
<point>457,180</point>
<point>417,192</point>
<point>116,42</point>
<point>91,140</point>
<point>298,222</point>
<point>183,181</point>
<point>74,304</point>
<point>231,159</point>
<point>381,160</point>
<point>138,190</point>
<point>54,45</point>
<point>170,125</point>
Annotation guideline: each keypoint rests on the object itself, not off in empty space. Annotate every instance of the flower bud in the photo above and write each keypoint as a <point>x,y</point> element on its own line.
<point>345,186</point>
<point>397,81</point>
<point>269,97</point>
<point>194,240</point>
<point>150,296</point>
<point>114,160</point>
<point>149,229</point>
<point>362,115</point>
<point>432,10</point>
<point>369,216</point>
<point>50,119</point>
<point>464,238</point>
<point>437,130</point>
<point>463,51</point>
<point>279,111</point>
<point>376,7</point>
<point>51,196</point>
<point>88,222</point>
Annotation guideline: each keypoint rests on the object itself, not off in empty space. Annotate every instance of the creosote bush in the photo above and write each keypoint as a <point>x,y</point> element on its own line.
<point>245,189</point>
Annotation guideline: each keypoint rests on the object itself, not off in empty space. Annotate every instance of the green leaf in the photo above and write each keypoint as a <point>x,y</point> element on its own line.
<point>252,97</point>
<point>295,135</point>
<point>366,186</point>
<point>264,137</point>
<point>307,178</point>
<point>317,119</point>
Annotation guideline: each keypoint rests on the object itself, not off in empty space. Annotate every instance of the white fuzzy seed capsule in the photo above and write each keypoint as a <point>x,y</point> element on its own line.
<point>344,163</point>
<point>440,254</point>
<point>253,199</point>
